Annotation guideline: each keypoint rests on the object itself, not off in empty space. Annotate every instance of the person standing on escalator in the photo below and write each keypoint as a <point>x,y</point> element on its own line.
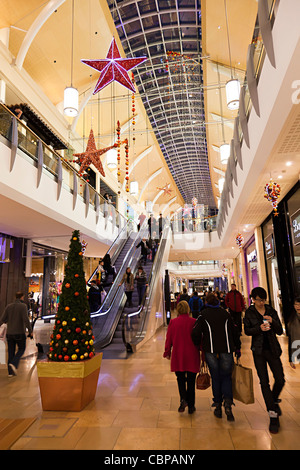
<point>128,280</point>
<point>142,283</point>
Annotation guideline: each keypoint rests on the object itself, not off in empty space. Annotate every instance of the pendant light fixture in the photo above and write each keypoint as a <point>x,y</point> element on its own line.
<point>233,86</point>
<point>134,188</point>
<point>112,159</point>
<point>224,153</point>
<point>71,97</point>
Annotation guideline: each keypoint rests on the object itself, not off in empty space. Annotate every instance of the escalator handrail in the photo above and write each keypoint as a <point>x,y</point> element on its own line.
<point>116,252</point>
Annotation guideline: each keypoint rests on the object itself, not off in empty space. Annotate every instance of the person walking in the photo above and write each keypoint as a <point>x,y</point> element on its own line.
<point>234,301</point>
<point>16,317</point>
<point>219,336</point>
<point>293,332</point>
<point>262,323</point>
<point>161,225</point>
<point>142,283</point>
<point>195,304</point>
<point>128,280</point>
<point>184,355</point>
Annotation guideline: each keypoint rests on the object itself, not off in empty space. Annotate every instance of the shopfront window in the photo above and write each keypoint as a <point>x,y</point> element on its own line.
<point>251,266</point>
<point>294,216</point>
<point>272,267</point>
<point>47,274</point>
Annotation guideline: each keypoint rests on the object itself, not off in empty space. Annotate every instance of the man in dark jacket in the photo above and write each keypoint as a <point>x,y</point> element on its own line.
<point>262,323</point>
<point>195,304</point>
<point>235,303</point>
<point>16,317</point>
<point>144,250</point>
<point>220,338</point>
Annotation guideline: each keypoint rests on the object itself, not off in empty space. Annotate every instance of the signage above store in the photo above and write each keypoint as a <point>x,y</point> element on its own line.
<point>269,246</point>
<point>295,225</point>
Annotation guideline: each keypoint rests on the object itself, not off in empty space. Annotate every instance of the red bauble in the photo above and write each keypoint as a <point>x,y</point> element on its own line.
<point>78,330</point>
<point>66,358</point>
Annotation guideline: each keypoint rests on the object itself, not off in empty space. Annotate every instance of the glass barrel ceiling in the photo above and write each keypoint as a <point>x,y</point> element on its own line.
<point>170,83</point>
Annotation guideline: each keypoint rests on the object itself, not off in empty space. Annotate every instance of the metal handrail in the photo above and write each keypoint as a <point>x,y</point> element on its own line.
<point>127,261</point>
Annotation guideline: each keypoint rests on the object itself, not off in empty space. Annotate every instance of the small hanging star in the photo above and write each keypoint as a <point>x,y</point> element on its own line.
<point>114,68</point>
<point>91,155</point>
<point>166,189</point>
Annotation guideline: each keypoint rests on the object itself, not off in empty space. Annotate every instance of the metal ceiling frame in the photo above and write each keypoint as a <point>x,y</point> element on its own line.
<point>171,87</point>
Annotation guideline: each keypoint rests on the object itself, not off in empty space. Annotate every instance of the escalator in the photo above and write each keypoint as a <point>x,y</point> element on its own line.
<point>130,325</point>
<point>106,319</point>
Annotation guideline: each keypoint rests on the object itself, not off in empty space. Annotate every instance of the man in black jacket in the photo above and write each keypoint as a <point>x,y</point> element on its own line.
<point>220,338</point>
<point>16,317</point>
<point>262,323</point>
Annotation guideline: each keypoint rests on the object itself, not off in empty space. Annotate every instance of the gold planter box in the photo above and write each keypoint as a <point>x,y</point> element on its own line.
<point>68,386</point>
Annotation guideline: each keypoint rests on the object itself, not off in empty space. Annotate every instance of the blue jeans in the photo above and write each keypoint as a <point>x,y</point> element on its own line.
<point>220,367</point>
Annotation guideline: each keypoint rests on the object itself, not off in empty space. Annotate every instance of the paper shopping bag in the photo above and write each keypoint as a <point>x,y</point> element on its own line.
<point>242,384</point>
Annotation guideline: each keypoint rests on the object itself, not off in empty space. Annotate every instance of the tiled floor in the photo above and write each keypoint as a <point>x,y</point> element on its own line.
<point>136,408</point>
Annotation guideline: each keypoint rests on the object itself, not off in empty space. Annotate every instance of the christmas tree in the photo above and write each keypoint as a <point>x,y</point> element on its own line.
<point>72,338</point>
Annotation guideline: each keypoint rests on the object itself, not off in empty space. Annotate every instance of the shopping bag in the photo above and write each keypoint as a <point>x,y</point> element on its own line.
<point>103,295</point>
<point>242,384</point>
<point>3,329</point>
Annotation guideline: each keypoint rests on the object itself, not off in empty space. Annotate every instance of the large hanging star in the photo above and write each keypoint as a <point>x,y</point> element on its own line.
<point>91,155</point>
<point>114,68</point>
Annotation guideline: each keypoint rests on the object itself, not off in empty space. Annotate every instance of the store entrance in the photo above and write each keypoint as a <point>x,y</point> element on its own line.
<point>47,274</point>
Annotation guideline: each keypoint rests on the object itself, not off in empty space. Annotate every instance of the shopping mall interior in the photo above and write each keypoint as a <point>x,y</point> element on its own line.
<point>175,121</point>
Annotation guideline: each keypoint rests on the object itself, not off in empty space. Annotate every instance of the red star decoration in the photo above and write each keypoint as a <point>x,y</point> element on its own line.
<point>114,68</point>
<point>91,155</point>
<point>166,189</point>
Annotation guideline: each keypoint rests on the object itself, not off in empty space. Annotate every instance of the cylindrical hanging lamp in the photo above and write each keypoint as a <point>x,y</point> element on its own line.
<point>221,184</point>
<point>134,188</point>
<point>233,89</point>
<point>71,96</point>
<point>71,99</point>
<point>224,153</point>
<point>112,158</point>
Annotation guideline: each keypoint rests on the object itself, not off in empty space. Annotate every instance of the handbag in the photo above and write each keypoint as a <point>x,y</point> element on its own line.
<point>3,329</point>
<point>242,384</point>
<point>203,377</point>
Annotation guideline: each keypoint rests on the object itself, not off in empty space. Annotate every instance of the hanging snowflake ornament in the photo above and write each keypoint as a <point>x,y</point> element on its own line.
<point>239,240</point>
<point>272,194</point>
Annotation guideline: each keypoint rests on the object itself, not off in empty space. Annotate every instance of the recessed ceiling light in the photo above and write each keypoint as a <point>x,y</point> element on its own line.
<point>279,177</point>
<point>289,163</point>
<point>219,27</point>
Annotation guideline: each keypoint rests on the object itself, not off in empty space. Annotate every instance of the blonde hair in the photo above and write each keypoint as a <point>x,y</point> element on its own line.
<point>183,307</point>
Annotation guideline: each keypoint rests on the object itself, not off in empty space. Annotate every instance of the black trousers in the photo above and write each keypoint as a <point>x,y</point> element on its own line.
<point>13,342</point>
<point>186,387</point>
<point>261,361</point>
<point>237,319</point>
<point>129,297</point>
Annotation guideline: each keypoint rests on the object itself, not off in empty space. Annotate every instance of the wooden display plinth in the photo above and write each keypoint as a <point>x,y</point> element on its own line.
<point>68,386</point>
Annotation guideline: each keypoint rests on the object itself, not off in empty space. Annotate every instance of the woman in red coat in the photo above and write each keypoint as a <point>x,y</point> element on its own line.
<point>185,356</point>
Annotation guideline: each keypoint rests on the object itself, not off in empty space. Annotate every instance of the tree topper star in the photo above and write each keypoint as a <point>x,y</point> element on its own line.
<point>91,155</point>
<point>114,68</point>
